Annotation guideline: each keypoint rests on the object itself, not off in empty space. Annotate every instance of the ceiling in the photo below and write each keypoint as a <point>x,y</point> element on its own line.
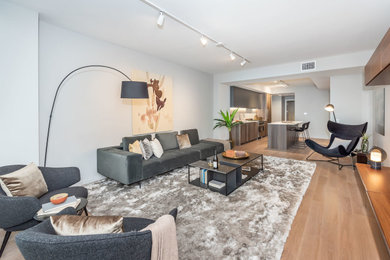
<point>274,86</point>
<point>265,32</point>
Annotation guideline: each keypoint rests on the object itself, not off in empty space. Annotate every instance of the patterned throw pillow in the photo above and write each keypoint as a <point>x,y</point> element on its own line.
<point>135,147</point>
<point>146,149</point>
<point>184,141</point>
<point>157,148</point>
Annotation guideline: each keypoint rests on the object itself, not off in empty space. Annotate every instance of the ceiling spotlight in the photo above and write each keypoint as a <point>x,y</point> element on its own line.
<point>243,62</point>
<point>160,20</point>
<point>219,44</point>
<point>203,40</point>
<point>232,56</point>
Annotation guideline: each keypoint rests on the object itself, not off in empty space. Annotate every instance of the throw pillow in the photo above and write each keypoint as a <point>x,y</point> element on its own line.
<point>27,181</point>
<point>146,149</point>
<point>184,141</point>
<point>338,141</point>
<point>157,148</point>
<point>135,147</point>
<point>71,225</point>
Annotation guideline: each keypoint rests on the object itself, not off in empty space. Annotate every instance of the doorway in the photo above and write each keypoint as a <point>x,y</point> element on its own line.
<point>290,110</point>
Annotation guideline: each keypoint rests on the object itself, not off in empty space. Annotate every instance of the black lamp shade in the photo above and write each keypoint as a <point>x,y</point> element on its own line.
<point>134,89</point>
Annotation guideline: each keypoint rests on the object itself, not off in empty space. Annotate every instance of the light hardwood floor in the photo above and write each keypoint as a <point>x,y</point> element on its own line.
<point>334,220</point>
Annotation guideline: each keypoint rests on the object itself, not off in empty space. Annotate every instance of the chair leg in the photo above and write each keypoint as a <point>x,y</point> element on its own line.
<point>5,240</point>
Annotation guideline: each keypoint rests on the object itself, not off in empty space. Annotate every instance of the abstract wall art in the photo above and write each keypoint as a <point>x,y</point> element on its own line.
<point>156,113</point>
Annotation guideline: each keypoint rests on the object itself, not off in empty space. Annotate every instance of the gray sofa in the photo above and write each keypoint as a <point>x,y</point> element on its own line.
<point>126,167</point>
<point>41,242</point>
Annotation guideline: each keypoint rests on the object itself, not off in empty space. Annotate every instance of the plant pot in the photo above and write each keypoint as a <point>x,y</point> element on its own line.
<point>231,140</point>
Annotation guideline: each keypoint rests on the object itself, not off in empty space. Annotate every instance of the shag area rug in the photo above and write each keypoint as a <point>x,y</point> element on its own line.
<point>252,222</point>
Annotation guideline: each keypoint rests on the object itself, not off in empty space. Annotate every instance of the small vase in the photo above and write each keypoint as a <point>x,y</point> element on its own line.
<point>364,146</point>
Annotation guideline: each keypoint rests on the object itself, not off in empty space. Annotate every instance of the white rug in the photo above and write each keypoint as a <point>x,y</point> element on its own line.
<point>253,222</point>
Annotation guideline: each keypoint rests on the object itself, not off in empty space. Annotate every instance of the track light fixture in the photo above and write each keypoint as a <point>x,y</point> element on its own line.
<point>160,20</point>
<point>232,56</point>
<point>203,40</point>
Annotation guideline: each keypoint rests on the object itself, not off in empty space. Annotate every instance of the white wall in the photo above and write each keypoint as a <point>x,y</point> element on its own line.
<point>276,108</point>
<point>18,85</point>
<point>309,106</point>
<point>352,100</point>
<point>89,113</point>
<point>383,141</point>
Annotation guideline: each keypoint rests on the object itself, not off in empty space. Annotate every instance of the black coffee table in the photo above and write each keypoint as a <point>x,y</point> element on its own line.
<point>230,172</point>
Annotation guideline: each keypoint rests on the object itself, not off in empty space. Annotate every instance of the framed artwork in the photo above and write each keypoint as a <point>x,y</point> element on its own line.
<point>156,113</point>
<point>380,106</point>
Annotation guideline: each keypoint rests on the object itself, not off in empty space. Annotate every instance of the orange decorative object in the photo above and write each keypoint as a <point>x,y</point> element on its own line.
<point>230,153</point>
<point>235,155</point>
<point>58,198</point>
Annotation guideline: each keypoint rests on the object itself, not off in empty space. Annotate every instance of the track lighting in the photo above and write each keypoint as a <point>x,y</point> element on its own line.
<point>232,56</point>
<point>203,40</point>
<point>160,20</point>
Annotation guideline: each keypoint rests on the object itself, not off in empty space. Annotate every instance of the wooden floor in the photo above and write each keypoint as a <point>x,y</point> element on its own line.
<point>334,220</point>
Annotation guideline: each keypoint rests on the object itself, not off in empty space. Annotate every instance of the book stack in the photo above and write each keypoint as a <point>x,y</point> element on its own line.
<point>50,209</point>
<point>203,176</point>
<point>216,184</point>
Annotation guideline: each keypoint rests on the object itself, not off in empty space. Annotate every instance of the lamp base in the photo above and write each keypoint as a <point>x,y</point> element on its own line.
<point>376,165</point>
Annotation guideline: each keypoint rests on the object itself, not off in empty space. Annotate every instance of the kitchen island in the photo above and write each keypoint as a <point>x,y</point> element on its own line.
<point>280,136</point>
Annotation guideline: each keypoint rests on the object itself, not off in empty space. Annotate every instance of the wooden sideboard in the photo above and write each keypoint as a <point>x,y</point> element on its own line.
<point>377,70</point>
<point>377,186</point>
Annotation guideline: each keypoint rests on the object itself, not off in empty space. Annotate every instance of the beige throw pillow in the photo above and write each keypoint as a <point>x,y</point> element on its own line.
<point>71,225</point>
<point>135,147</point>
<point>184,141</point>
<point>27,181</point>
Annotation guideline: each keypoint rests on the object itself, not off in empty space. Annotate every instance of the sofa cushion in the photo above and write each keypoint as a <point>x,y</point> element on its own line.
<point>219,146</point>
<point>151,167</point>
<point>131,139</point>
<point>168,140</point>
<point>192,134</point>
<point>173,159</point>
<point>204,149</point>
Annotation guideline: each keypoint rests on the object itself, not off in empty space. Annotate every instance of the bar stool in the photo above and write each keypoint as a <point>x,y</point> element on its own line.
<point>302,131</point>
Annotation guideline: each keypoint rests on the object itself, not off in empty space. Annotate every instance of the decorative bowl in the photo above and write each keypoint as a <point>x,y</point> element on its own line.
<point>58,198</point>
<point>235,155</point>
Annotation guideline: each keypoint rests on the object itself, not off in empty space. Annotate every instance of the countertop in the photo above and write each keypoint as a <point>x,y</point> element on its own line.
<point>285,123</point>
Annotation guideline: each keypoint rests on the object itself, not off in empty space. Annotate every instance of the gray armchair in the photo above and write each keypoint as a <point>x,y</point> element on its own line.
<point>17,213</point>
<point>41,242</point>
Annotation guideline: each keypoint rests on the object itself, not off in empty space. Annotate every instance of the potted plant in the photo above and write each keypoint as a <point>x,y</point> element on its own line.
<point>365,143</point>
<point>228,122</point>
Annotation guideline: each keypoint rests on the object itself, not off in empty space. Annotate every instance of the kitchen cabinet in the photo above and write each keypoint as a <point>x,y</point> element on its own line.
<point>245,132</point>
<point>240,97</point>
<point>377,70</point>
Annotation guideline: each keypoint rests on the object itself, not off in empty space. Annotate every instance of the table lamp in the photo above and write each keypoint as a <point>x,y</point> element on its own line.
<point>377,156</point>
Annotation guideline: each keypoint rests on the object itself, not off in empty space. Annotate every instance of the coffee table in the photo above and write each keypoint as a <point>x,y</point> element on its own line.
<point>82,207</point>
<point>229,172</point>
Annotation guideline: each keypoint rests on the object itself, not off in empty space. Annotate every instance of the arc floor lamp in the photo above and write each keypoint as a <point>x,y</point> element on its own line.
<point>129,89</point>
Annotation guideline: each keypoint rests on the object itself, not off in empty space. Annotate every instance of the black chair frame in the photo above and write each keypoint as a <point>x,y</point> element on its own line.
<point>342,131</point>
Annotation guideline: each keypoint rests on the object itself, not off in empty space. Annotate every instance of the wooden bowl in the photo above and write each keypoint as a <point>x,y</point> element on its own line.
<point>236,157</point>
<point>59,198</point>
